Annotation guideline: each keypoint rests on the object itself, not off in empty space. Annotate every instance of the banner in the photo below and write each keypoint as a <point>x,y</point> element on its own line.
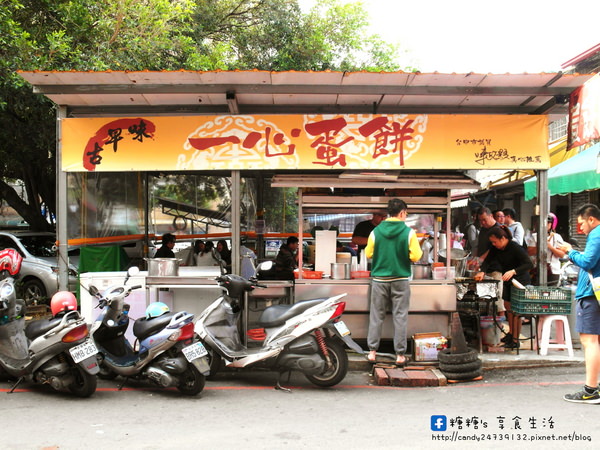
<point>584,113</point>
<point>271,142</point>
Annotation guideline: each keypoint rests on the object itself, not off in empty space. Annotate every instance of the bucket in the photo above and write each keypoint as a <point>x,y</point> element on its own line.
<point>340,271</point>
<point>490,333</point>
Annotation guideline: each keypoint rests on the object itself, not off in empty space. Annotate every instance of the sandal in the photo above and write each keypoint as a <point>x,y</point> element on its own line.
<point>372,356</point>
<point>401,360</point>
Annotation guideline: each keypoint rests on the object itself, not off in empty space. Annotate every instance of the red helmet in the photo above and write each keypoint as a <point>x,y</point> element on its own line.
<point>63,301</point>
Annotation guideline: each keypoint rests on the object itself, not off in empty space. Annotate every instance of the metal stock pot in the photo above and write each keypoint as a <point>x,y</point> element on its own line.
<point>163,267</point>
<point>421,271</point>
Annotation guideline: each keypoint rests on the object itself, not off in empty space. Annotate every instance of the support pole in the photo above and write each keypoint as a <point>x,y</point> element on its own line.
<point>61,207</point>
<point>236,207</point>
<point>542,231</point>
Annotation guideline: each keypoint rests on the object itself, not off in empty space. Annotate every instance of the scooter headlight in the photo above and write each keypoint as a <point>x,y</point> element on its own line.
<point>6,290</point>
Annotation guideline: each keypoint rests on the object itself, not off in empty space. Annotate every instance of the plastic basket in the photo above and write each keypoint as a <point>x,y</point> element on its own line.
<point>541,300</point>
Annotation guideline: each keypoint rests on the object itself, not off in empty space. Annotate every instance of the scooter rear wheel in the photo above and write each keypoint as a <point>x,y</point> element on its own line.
<point>84,384</point>
<point>191,382</point>
<point>335,373</point>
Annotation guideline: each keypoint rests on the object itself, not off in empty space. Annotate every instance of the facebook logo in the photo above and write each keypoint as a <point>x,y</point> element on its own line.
<point>438,423</point>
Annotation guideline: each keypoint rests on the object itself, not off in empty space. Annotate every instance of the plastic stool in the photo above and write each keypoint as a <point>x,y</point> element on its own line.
<point>563,334</point>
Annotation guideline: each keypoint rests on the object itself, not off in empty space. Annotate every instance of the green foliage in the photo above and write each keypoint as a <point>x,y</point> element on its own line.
<point>155,35</point>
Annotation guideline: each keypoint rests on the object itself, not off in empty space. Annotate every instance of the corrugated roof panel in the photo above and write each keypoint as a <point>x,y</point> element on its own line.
<point>330,78</point>
<point>439,79</point>
<point>522,80</point>
<point>377,78</point>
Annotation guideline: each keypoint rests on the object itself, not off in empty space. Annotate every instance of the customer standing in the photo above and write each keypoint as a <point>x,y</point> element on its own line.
<point>587,307</point>
<point>166,249</point>
<point>392,245</point>
<point>555,242</point>
<point>516,228</point>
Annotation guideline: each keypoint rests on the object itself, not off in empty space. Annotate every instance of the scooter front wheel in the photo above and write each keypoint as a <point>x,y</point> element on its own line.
<point>338,368</point>
<point>191,382</point>
<point>84,383</point>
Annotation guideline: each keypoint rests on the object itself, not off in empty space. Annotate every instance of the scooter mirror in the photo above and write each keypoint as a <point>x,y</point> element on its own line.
<point>133,271</point>
<point>93,290</point>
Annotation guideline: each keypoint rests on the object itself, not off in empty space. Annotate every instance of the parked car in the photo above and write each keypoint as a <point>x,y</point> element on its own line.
<point>38,279</point>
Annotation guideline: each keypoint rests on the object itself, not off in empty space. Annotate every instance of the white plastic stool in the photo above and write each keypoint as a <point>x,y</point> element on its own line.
<point>563,333</point>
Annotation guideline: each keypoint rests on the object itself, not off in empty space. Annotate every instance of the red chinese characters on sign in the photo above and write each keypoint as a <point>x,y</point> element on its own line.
<point>393,135</point>
<point>112,134</point>
<point>327,150</point>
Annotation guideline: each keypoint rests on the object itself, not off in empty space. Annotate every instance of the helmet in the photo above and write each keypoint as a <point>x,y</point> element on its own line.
<point>553,220</point>
<point>156,309</point>
<point>63,301</point>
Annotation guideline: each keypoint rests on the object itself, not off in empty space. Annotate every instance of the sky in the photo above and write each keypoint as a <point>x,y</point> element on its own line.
<point>485,36</point>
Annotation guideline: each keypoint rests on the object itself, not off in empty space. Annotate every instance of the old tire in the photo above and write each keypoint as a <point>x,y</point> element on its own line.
<point>84,384</point>
<point>444,356</point>
<point>191,382</point>
<point>465,367</point>
<point>462,375</point>
<point>336,372</point>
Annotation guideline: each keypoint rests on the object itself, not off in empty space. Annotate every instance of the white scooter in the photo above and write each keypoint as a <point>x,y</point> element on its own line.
<point>308,336</point>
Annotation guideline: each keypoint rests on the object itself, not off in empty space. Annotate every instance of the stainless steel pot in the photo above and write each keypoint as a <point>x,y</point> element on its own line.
<point>340,271</point>
<point>163,267</point>
<point>421,271</point>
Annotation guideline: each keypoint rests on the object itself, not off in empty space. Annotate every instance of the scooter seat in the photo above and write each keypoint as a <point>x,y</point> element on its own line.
<point>276,315</point>
<point>144,327</point>
<point>36,328</point>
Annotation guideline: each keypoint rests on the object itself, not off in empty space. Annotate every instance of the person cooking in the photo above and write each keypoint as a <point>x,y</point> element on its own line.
<point>363,229</point>
<point>514,263</point>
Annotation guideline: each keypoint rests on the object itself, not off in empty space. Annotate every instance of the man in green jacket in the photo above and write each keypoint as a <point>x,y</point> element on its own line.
<point>392,246</point>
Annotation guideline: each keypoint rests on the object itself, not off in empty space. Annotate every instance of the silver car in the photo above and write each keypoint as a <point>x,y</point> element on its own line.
<point>38,278</point>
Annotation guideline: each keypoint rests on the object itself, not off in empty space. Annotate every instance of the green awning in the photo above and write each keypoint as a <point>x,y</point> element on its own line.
<point>576,174</point>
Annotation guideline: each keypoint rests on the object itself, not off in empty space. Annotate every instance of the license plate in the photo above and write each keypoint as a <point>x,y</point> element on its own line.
<point>83,351</point>
<point>342,328</point>
<point>194,351</point>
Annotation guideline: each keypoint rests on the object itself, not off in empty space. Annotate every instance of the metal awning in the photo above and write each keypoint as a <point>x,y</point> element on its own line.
<point>262,92</point>
<point>577,174</point>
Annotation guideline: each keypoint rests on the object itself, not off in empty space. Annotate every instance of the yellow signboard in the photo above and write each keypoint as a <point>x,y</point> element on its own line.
<point>270,142</point>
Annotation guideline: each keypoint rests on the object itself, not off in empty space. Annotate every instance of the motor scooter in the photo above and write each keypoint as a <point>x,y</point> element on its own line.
<point>53,351</point>
<point>308,336</point>
<point>168,354</point>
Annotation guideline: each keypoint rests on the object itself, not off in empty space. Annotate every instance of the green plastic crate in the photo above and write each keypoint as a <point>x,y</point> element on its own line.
<point>541,300</point>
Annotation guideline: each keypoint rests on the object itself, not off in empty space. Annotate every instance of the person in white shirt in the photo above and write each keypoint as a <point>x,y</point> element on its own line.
<point>516,228</point>
<point>555,241</point>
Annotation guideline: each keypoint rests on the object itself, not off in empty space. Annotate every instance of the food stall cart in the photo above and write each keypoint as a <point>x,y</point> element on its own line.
<point>334,123</point>
<point>432,300</point>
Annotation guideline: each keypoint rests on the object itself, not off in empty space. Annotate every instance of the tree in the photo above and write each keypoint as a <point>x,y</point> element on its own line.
<point>154,35</point>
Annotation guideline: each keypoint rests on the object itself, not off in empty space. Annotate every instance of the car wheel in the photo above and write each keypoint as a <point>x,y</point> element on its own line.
<point>34,291</point>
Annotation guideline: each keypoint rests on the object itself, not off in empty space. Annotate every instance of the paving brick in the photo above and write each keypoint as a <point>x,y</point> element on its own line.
<point>381,377</point>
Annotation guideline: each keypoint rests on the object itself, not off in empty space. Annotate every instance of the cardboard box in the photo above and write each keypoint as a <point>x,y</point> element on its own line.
<point>427,345</point>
